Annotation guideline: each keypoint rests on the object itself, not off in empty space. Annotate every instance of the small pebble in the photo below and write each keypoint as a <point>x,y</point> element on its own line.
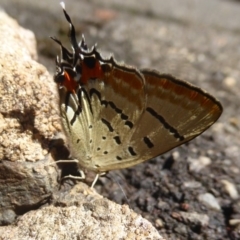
<point>159,223</point>
<point>195,218</point>
<point>229,82</point>
<point>230,188</point>
<point>209,201</point>
<point>175,155</point>
<point>192,184</point>
<point>234,222</point>
<point>196,165</point>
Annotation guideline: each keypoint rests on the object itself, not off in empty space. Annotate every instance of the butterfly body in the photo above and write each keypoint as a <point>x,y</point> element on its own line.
<point>116,116</point>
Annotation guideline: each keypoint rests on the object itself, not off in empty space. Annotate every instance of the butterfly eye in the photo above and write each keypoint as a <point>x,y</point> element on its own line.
<point>59,78</point>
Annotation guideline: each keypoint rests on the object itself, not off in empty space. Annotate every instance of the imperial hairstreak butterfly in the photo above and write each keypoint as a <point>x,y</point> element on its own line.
<point>116,116</point>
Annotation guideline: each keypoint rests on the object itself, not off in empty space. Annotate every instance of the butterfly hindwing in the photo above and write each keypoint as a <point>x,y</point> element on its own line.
<point>175,113</point>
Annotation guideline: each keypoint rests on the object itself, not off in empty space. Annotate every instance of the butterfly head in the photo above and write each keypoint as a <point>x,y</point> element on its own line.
<point>77,67</point>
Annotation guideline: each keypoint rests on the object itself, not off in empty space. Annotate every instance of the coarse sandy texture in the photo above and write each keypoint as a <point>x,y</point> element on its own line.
<point>27,123</point>
<point>81,213</point>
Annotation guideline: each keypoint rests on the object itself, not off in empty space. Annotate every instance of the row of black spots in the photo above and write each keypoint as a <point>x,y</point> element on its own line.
<point>117,140</point>
<point>113,106</point>
<point>131,151</point>
<point>108,124</point>
<point>165,124</point>
<point>122,115</point>
<point>94,91</point>
<point>118,111</point>
<point>104,103</point>
<point>90,141</point>
<point>105,152</point>
<point>129,124</point>
<point>148,142</point>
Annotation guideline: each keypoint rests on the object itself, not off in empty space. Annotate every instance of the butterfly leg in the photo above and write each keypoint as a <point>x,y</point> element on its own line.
<point>76,177</point>
<point>96,178</point>
<point>62,161</point>
<point>67,161</point>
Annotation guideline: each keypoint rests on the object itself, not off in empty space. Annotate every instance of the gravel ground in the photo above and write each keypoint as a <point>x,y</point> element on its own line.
<point>191,192</point>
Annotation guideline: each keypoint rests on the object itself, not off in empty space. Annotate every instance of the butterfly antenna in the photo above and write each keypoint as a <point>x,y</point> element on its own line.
<point>65,54</point>
<point>124,194</point>
<point>72,30</point>
<point>119,185</point>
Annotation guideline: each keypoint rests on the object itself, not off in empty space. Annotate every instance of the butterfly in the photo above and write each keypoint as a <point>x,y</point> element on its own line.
<point>116,116</point>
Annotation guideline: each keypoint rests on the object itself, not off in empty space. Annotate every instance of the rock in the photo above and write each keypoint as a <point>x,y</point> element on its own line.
<point>192,184</point>
<point>229,82</point>
<point>195,218</point>
<point>81,213</point>
<point>209,201</point>
<point>197,165</point>
<point>159,223</point>
<point>234,222</point>
<point>230,188</point>
<point>29,118</point>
